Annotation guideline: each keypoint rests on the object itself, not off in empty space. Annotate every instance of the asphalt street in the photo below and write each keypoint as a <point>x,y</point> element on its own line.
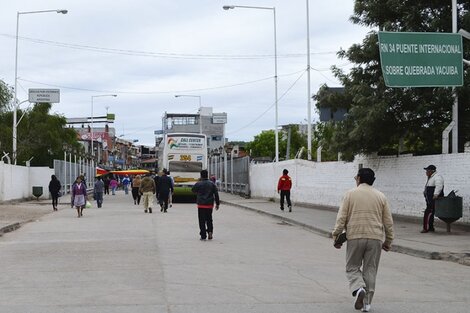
<point>119,259</point>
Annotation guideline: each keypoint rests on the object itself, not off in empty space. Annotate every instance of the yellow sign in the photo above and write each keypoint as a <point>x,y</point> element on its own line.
<point>185,157</point>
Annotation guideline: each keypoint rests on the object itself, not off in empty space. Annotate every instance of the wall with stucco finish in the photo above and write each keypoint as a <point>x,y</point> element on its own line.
<point>401,179</point>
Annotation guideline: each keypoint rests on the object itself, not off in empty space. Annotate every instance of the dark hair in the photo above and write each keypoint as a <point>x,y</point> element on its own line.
<point>204,174</point>
<point>366,175</point>
<point>53,177</point>
<point>285,172</point>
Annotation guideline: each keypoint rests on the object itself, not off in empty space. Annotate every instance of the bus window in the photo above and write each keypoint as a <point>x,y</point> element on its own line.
<point>178,166</point>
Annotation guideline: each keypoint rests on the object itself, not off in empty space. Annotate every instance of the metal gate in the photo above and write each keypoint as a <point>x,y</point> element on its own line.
<point>232,174</point>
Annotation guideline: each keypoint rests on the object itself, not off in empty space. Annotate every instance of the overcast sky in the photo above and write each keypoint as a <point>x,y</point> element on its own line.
<point>147,51</point>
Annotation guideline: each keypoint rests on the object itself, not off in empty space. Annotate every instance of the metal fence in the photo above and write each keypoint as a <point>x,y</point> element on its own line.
<point>232,174</point>
<point>67,171</point>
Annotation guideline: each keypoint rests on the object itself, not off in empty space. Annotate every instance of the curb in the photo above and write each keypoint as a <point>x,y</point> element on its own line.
<point>460,258</point>
<point>9,228</point>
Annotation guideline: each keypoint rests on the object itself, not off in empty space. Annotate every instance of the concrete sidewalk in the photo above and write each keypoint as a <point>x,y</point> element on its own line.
<point>440,245</point>
<point>14,214</point>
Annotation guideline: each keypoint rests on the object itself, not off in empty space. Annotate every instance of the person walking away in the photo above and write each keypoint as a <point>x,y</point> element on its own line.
<point>156,179</point>
<point>283,187</point>
<point>113,184</point>
<point>106,181</point>
<point>365,216</point>
<point>164,188</point>
<point>98,191</point>
<point>135,189</point>
<point>170,195</point>
<point>147,189</point>
<point>125,184</point>
<point>79,196</point>
<point>54,189</point>
<point>207,194</point>
<point>83,177</point>
<point>433,189</point>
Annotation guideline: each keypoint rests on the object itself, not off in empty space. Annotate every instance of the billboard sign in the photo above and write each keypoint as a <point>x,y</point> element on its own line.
<point>44,95</point>
<point>185,142</point>
<point>421,59</point>
<point>219,118</point>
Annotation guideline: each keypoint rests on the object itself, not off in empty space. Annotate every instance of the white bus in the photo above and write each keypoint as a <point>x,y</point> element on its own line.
<point>185,156</point>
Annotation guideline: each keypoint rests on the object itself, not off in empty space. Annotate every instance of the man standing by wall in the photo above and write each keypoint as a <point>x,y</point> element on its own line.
<point>433,189</point>
<point>365,215</point>
<point>283,187</point>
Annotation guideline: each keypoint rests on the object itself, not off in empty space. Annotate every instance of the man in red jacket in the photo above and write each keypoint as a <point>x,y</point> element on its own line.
<point>283,187</point>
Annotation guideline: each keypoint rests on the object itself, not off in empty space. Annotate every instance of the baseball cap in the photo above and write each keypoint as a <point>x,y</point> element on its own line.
<point>430,168</point>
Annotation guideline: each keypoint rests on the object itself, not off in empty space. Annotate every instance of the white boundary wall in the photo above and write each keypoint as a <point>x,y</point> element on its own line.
<point>16,182</point>
<point>401,179</point>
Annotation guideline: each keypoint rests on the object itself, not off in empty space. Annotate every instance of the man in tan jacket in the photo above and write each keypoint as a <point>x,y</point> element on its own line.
<point>147,190</point>
<point>365,216</point>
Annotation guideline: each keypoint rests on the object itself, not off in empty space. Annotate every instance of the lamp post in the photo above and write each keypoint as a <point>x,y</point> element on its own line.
<point>276,132</point>
<point>309,102</point>
<point>195,96</point>
<point>15,93</point>
<point>455,106</point>
<point>92,134</point>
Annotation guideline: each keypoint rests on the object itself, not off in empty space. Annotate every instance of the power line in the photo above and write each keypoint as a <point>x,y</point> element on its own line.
<point>270,107</point>
<point>172,55</point>
<point>155,92</point>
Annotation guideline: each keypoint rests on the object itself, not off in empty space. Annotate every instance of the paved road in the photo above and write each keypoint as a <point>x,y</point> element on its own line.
<point>118,259</point>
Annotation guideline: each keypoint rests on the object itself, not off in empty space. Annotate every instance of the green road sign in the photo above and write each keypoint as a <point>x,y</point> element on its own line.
<point>421,59</point>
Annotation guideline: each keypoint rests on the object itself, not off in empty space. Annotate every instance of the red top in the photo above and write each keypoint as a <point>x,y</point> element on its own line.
<point>285,183</point>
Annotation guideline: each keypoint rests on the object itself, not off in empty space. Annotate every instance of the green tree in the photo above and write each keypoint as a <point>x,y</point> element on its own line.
<point>40,135</point>
<point>387,120</point>
<point>297,141</point>
<point>263,145</point>
<point>5,96</point>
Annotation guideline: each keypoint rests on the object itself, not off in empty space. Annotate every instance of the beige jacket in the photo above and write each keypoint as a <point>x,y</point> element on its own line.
<point>365,213</point>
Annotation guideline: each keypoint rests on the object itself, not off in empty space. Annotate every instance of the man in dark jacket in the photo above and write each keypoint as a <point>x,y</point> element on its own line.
<point>164,188</point>
<point>206,195</point>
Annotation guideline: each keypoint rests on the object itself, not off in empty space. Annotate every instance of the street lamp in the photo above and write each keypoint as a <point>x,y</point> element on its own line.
<point>177,96</point>
<point>15,93</point>
<point>92,135</point>
<point>200,120</point>
<point>276,131</point>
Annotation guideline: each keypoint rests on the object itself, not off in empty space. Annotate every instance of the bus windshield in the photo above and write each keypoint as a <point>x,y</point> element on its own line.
<point>179,166</point>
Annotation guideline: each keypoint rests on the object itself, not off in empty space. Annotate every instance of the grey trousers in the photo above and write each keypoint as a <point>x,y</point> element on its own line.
<point>365,253</point>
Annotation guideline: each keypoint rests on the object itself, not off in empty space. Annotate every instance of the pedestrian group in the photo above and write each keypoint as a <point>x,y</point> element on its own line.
<point>364,220</point>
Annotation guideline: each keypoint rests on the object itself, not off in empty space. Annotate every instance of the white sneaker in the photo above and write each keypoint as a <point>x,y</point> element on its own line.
<point>366,308</point>
<point>360,295</point>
